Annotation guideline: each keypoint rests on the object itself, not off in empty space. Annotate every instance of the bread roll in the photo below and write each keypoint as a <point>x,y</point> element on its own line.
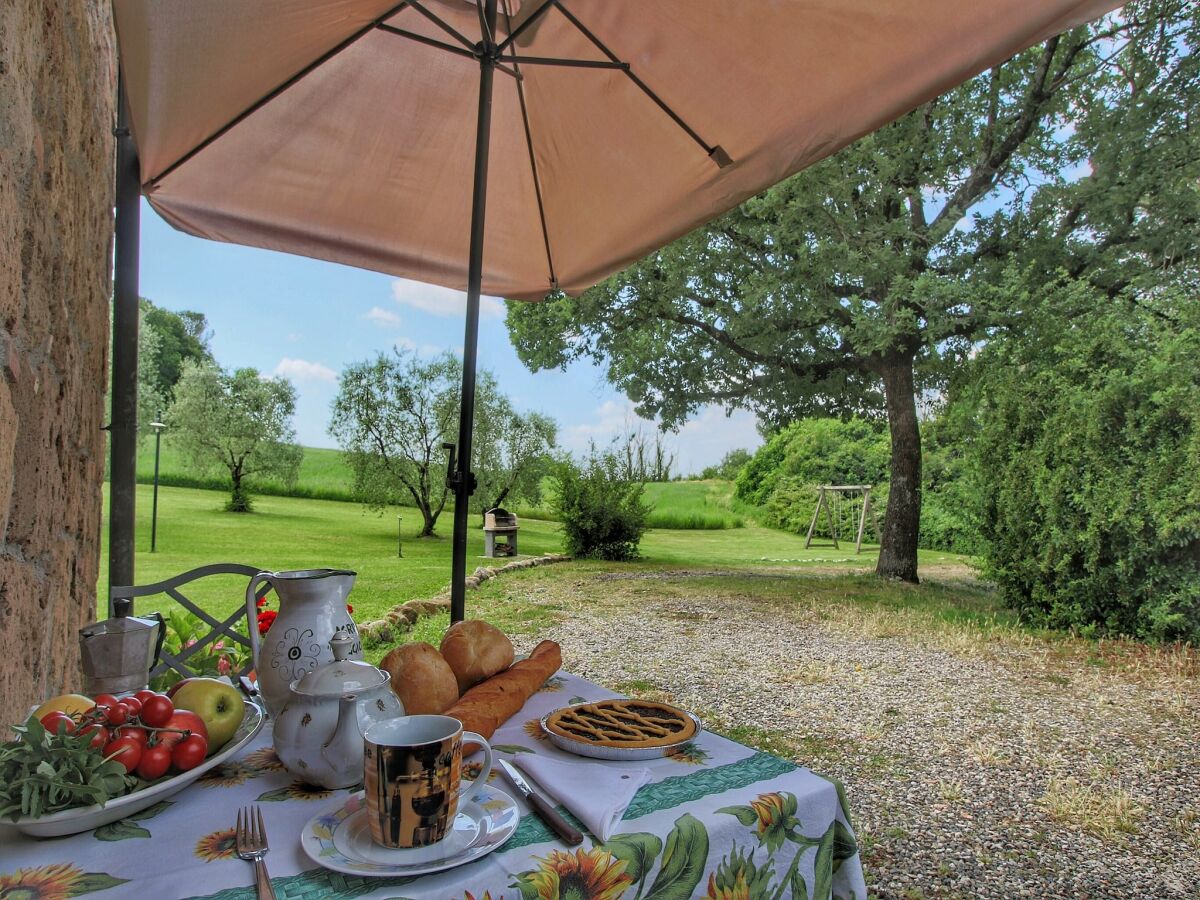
<point>421,678</point>
<point>476,650</point>
<point>489,705</point>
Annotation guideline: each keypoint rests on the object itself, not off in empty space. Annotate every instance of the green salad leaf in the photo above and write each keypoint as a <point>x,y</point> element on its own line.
<point>43,773</point>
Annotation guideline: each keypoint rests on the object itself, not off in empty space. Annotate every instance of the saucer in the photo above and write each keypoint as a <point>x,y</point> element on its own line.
<point>341,839</point>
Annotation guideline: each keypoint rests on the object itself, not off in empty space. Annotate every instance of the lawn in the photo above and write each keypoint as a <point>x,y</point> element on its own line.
<point>297,533</point>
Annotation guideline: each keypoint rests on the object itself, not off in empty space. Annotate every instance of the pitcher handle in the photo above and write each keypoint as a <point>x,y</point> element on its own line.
<point>252,614</point>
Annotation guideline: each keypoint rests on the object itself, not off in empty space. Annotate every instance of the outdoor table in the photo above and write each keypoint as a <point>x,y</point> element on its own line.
<point>717,820</point>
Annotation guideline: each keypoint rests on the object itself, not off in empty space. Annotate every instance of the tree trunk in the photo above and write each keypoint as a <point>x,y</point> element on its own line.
<point>902,523</point>
<point>430,520</point>
<point>239,500</point>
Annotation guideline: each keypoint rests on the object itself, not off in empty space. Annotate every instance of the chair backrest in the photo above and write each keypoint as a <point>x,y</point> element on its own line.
<point>220,629</point>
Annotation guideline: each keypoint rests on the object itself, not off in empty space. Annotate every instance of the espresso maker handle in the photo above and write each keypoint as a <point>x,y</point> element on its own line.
<point>162,633</point>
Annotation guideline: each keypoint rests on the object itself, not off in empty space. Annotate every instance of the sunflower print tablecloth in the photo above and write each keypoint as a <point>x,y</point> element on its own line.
<point>719,821</point>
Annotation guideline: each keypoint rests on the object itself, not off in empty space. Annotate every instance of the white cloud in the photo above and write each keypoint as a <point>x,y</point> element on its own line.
<point>441,301</point>
<point>406,343</point>
<point>303,370</point>
<point>381,316</point>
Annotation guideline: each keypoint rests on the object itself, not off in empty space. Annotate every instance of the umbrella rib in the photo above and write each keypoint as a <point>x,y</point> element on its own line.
<point>275,92</point>
<point>513,35</point>
<point>537,180</point>
<point>449,29</point>
<point>714,152</point>
<point>441,45</point>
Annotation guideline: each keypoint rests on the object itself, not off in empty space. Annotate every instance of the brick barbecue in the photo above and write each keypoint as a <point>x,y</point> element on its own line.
<point>501,523</point>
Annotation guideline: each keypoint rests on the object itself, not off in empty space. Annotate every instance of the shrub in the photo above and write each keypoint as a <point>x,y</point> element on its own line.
<point>817,451</point>
<point>1088,448</point>
<point>600,507</point>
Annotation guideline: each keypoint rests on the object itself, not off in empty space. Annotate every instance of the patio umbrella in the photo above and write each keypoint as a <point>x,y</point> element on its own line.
<point>379,133</point>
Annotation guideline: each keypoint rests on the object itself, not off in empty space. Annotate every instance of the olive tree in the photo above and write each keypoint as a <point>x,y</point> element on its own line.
<point>239,421</point>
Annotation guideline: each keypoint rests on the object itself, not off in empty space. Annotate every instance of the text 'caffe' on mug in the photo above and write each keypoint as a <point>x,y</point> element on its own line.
<point>412,772</point>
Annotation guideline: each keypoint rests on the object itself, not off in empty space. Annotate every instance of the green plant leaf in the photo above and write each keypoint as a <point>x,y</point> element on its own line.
<point>844,845</point>
<point>682,861</point>
<point>576,699</point>
<point>511,748</point>
<point>123,830</point>
<point>745,814</point>
<point>823,866</point>
<point>279,794</point>
<point>639,851</point>
<point>151,811</point>
<point>95,881</point>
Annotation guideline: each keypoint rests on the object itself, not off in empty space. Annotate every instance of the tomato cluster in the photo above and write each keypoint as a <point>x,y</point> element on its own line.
<point>144,732</point>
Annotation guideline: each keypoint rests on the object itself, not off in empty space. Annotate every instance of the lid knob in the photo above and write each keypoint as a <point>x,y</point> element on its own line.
<point>122,607</point>
<point>341,644</point>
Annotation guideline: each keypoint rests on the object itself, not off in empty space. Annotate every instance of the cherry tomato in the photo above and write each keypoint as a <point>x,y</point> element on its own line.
<point>157,710</point>
<point>133,704</point>
<point>127,751</point>
<point>118,714</point>
<point>189,753</point>
<point>154,762</point>
<point>54,722</point>
<point>182,721</point>
<point>136,732</point>
<point>100,735</point>
<point>144,694</point>
<point>105,700</point>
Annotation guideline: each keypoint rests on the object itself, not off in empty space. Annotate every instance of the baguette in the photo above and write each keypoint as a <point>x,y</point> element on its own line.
<point>491,703</point>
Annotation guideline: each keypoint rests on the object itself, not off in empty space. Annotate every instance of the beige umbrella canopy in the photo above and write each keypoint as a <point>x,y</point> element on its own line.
<point>346,130</point>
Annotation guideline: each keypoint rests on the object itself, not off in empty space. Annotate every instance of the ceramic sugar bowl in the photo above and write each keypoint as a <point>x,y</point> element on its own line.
<point>319,731</point>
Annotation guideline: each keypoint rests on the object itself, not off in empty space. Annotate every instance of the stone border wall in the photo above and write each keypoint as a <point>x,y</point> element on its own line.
<point>402,618</point>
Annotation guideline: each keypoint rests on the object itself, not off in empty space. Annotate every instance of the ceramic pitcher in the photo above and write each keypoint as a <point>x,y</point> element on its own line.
<point>312,608</point>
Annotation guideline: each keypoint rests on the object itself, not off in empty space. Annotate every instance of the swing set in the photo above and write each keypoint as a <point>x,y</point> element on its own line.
<point>834,513</point>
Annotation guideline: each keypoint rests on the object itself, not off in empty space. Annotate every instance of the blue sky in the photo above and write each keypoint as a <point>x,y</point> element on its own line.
<point>307,319</point>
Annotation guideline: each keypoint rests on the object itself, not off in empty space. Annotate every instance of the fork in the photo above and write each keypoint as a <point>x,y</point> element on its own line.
<point>252,845</point>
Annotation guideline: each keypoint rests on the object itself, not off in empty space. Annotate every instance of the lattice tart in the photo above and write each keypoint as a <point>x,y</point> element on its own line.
<point>626,724</point>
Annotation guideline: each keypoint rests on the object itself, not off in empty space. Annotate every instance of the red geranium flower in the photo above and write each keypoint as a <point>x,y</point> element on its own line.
<point>265,619</point>
<point>349,609</point>
<point>260,602</point>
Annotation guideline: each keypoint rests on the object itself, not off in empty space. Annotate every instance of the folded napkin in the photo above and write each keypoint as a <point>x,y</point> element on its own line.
<point>598,795</point>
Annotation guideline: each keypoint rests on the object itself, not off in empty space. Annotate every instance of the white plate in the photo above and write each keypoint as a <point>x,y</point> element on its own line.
<point>341,839</point>
<point>72,821</point>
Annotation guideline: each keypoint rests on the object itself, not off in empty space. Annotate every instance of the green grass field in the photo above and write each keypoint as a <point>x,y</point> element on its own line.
<point>324,475</point>
<point>297,533</point>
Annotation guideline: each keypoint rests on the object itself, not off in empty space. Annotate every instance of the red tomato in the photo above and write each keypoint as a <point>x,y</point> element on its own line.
<point>118,714</point>
<point>189,753</point>
<point>133,704</point>
<point>126,750</point>
<point>54,722</point>
<point>136,732</point>
<point>182,721</point>
<point>157,710</point>
<point>100,735</point>
<point>154,762</point>
<point>144,694</point>
<point>105,700</point>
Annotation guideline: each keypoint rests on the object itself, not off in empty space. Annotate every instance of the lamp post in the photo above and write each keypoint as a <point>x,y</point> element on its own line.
<point>158,430</point>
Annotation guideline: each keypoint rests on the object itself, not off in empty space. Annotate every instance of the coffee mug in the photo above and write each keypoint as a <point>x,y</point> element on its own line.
<point>412,770</point>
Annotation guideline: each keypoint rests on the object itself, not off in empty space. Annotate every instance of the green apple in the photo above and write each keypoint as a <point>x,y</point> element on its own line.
<point>217,703</point>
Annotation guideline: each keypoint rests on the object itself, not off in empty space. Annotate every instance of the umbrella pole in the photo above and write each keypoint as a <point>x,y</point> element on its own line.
<point>463,479</point>
<point>122,426</point>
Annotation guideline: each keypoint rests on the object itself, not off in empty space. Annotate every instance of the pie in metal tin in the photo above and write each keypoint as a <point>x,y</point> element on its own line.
<point>621,728</point>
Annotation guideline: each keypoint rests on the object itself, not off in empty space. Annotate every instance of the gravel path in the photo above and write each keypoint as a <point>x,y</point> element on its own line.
<point>977,766</point>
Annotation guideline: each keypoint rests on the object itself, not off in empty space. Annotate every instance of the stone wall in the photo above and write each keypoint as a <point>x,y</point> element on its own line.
<point>57,83</point>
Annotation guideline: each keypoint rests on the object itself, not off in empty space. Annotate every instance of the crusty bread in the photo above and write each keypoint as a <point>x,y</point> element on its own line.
<point>421,678</point>
<point>476,650</point>
<point>489,705</point>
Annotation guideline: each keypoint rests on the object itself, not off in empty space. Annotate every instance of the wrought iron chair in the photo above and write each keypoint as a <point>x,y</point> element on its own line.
<point>220,629</point>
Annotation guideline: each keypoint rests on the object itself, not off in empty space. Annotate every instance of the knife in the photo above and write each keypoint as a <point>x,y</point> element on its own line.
<point>548,813</point>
